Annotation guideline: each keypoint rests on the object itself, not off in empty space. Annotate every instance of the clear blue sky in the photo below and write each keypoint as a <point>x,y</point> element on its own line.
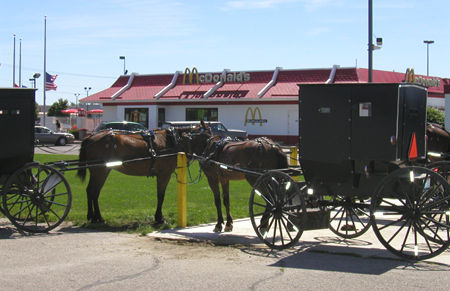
<point>86,37</point>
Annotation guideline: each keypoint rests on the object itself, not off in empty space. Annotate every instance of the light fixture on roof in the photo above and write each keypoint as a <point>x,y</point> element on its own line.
<point>124,70</point>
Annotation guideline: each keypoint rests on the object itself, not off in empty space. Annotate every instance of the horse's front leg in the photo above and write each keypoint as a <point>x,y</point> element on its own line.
<point>162,180</point>
<point>226,202</point>
<point>214,185</point>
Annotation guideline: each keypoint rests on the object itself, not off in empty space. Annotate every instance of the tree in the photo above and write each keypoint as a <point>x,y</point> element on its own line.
<point>55,109</point>
<point>435,116</point>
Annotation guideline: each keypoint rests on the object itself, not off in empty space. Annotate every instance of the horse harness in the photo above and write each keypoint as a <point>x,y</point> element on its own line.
<point>220,145</point>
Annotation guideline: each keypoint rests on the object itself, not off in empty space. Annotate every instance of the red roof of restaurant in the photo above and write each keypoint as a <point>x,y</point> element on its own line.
<point>143,88</point>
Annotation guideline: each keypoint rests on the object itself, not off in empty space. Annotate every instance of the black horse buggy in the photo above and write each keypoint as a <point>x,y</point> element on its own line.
<point>362,151</point>
<point>35,197</point>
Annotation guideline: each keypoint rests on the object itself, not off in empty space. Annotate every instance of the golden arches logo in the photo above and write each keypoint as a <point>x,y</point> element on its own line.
<point>253,119</point>
<point>410,77</point>
<point>191,74</point>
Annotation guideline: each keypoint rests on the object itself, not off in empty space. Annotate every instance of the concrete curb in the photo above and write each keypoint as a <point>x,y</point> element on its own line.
<point>316,241</point>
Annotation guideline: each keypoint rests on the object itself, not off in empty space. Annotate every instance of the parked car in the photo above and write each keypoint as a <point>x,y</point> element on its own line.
<point>45,135</point>
<point>217,128</point>
<point>120,125</point>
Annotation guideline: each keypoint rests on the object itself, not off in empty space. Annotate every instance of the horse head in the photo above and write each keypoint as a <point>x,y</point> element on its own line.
<point>193,140</point>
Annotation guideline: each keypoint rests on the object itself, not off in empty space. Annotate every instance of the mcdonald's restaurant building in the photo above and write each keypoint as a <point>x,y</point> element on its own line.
<point>264,103</point>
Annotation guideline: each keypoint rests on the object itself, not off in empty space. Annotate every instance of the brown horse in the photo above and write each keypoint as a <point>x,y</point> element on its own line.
<point>438,140</point>
<point>257,154</point>
<point>110,145</point>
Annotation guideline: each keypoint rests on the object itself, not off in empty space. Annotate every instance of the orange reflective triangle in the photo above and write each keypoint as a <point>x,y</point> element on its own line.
<point>413,155</point>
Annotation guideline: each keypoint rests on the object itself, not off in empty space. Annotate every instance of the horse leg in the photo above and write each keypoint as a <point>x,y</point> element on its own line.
<point>214,185</point>
<point>226,202</point>
<point>264,222</point>
<point>96,181</point>
<point>162,180</point>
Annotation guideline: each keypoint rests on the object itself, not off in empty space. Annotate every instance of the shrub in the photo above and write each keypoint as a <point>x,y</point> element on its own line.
<point>435,115</point>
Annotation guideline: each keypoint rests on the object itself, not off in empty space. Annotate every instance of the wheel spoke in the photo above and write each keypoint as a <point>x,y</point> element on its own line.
<point>437,222</point>
<point>398,231</point>
<point>443,200</point>
<point>286,227</point>
<point>406,237</point>
<point>435,232</point>
<point>357,216</point>
<point>390,223</point>
<point>337,213</point>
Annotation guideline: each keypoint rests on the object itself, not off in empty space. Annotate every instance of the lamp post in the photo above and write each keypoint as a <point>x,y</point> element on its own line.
<point>124,70</point>
<point>35,76</point>
<point>372,47</point>
<point>428,42</point>
<point>87,89</point>
<point>76,96</point>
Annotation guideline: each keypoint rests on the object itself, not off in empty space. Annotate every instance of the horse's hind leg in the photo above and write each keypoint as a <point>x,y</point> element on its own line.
<point>96,181</point>
<point>226,202</point>
<point>214,185</point>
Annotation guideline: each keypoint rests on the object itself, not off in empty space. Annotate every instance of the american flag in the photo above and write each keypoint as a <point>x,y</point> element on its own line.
<point>49,82</point>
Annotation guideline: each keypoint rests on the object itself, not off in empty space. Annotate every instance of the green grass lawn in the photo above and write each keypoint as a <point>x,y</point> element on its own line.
<point>129,202</point>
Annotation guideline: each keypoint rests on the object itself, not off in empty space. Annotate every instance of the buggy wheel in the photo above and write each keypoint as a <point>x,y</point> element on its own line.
<point>443,168</point>
<point>404,210</point>
<point>349,217</point>
<point>277,210</point>
<point>36,198</point>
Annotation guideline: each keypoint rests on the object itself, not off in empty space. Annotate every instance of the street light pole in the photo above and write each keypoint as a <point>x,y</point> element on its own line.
<point>76,96</point>
<point>124,70</point>
<point>87,89</point>
<point>370,42</point>
<point>35,76</point>
<point>428,42</point>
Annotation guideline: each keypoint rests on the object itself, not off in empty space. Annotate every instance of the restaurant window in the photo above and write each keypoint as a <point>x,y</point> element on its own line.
<point>161,116</point>
<point>206,114</point>
<point>139,115</point>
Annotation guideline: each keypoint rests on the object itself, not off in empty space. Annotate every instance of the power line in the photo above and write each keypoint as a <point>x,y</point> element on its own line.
<point>64,73</point>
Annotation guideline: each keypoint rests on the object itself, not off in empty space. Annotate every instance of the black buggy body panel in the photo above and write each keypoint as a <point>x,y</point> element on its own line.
<point>352,135</point>
<point>17,116</point>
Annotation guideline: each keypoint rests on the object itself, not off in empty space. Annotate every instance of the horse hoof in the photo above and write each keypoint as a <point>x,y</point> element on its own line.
<point>218,229</point>
<point>228,228</point>
<point>97,220</point>
<point>159,223</point>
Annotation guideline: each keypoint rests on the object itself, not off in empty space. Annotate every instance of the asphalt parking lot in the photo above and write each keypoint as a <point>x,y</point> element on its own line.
<point>68,149</point>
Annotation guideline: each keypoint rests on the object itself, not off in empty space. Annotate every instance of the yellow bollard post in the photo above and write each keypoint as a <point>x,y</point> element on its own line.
<point>181,197</point>
<point>293,161</point>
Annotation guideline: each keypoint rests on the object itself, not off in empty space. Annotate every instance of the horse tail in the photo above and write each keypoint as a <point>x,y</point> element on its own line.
<point>81,173</point>
<point>282,159</point>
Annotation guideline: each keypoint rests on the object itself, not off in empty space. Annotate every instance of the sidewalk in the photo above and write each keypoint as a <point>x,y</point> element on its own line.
<point>319,241</point>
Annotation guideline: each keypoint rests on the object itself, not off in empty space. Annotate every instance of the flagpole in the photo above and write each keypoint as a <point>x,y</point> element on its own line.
<point>45,59</point>
<point>20,62</point>
<point>14,62</point>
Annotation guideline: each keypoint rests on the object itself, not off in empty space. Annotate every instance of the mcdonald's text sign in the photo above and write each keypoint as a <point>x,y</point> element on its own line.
<point>193,77</point>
